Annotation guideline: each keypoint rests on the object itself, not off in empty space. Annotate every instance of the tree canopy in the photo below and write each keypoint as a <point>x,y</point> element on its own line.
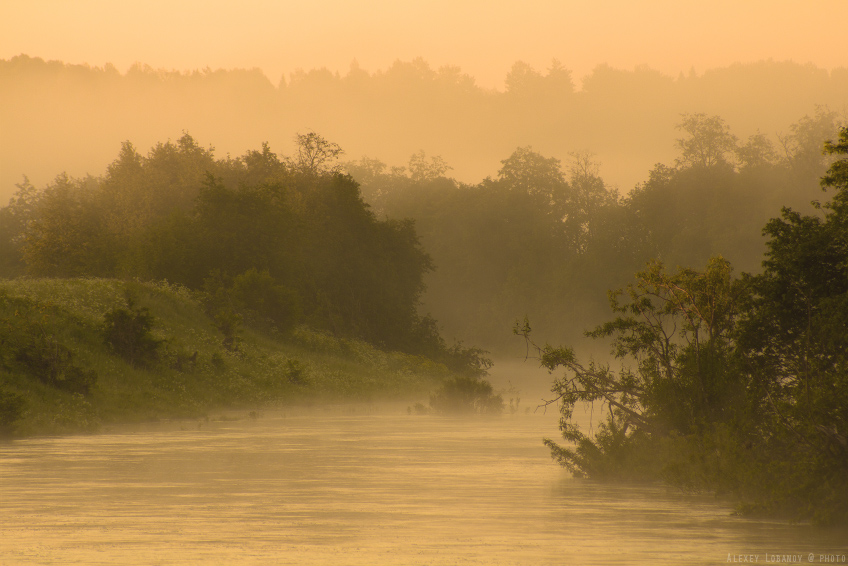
<point>737,384</point>
<point>288,237</point>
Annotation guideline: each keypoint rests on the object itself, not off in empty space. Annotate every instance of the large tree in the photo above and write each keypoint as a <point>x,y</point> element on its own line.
<point>794,345</point>
<point>738,385</point>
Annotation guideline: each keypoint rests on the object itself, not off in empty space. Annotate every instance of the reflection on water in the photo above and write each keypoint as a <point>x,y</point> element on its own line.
<point>347,486</point>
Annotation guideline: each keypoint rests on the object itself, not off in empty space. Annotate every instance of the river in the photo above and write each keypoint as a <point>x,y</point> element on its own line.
<point>358,484</point>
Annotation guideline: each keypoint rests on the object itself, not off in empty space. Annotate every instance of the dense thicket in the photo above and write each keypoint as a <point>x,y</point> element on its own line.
<point>266,239</point>
<point>737,384</point>
<point>540,239</point>
<point>543,238</point>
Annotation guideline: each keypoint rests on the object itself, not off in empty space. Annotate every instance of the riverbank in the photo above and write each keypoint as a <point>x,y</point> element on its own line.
<point>60,374</point>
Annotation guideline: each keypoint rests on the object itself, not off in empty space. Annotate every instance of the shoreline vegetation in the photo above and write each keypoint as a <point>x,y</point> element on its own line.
<point>62,376</point>
<point>732,384</point>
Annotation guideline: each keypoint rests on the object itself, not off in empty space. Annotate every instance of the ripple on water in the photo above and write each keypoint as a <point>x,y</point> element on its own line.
<point>368,488</point>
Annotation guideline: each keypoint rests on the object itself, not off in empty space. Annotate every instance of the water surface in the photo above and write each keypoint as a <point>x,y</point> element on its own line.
<point>353,485</point>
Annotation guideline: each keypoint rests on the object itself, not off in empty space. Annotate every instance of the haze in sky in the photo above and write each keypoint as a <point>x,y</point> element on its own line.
<point>483,38</point>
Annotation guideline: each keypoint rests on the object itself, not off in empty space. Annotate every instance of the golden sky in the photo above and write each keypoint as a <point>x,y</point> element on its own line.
<point>484,38</point>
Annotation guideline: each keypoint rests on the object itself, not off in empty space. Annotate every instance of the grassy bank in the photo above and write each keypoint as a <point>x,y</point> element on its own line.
<point>60,374</point>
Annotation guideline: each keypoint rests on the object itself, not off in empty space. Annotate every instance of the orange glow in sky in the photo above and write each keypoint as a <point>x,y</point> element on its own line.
<point>484,38</point>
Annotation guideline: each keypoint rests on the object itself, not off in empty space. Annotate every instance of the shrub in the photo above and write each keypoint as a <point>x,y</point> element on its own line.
<point>265,301</point>
<point>11,410</point>
<point>128,332</point>
<point>28,346</point>
<point>466,395</point>
<point>52,364</point>
<point>221,307</point>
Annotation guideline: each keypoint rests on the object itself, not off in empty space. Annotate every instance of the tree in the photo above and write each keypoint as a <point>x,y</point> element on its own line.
<point>709,141</point>
<point>423,169</point>
<point>837,176</point>
<point>14,219</point>
<point>529,172</point>
<point>802,146</point>
<point>588,195</point>
<point>757,152</point>
<point>676,329</point>
<point>559,79</point>
<point>128,332</point>
<point>523,79</point>
<point>794,347</point>
<point>265,300</point>
<point>67,235</point>
<point>315,154</point>
<point>737,385</point>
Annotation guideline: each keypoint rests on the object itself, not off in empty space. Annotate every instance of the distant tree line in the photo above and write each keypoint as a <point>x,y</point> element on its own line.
<point>625,116</point>
<point>544,238</point>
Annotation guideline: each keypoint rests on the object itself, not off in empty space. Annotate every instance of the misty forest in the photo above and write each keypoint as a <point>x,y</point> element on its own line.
<point>701,309</point>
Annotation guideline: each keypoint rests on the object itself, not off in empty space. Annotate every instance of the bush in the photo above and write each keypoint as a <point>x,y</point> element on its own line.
<point>28,346</point>
<point>466,395</point>
<point>11,410</point>
<point>127,331</point>
<point>52,364</point>
<point>265,301</point>
<point>220,305</point>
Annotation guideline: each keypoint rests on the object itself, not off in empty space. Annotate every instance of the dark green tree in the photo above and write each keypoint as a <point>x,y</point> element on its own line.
<point>67,234</point>
<point>794,345</point>
<point>128,332</point>
<point>674,337</point>
<point>13,222</point>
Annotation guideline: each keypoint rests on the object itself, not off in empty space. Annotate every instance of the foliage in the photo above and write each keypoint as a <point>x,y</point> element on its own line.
<point>290,239</point>
<point>30,344</point>
<point>13,219</point>
<point>676,330</point>
<point>709,142</point>
<point>195,374</point>
<point>314,153</point>
<point>12,407</point>
<point>802,146</point>
<point>624,115</point>
<point>128,332</point>
<point>542,235</point>
<point>738,385</point>
<point>793,344</point>
<point>464,394</point>
<point>487,253</point>
<point>222,307</point>
<point>265,301</point>
<point>423,169</point>
<point>52,363</point>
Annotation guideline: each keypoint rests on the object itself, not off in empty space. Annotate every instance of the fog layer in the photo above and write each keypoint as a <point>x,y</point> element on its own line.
<point>59,117</point>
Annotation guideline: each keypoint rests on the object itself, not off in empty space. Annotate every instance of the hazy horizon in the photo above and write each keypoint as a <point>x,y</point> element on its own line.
<point>481,39</point>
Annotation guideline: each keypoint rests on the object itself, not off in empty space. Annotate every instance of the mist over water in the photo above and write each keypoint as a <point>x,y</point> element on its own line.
<point>358,484</point>
<point>199,228</point>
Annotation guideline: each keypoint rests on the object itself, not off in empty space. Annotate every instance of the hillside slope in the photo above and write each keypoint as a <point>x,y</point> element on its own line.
<point>61,371</point>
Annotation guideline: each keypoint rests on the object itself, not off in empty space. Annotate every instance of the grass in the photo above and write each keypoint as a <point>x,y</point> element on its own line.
<point>52,332</point>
